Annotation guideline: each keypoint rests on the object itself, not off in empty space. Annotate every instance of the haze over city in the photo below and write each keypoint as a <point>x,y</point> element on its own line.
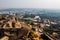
<point>49,4</point>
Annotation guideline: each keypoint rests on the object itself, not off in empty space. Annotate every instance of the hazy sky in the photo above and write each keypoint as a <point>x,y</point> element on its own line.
<point>30,4</point>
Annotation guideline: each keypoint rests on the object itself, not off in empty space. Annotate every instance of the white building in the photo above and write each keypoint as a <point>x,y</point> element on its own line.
<point>37,18</point>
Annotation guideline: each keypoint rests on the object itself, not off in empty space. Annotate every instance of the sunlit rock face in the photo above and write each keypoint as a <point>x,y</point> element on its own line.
<point>5,38</point>
<point>8,22</point>
<point>14,28</point>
